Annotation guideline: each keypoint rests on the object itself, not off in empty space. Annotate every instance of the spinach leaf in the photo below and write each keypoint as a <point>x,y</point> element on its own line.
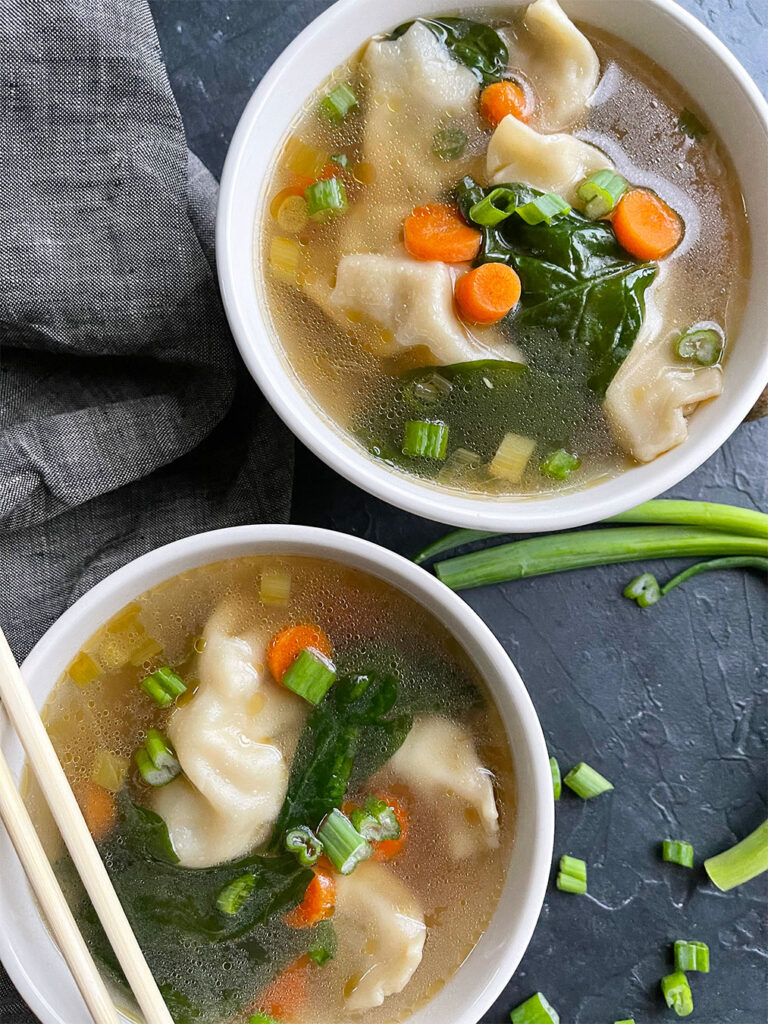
<point>583,298</point>
<point>471,43</point>
<point>353,720</point>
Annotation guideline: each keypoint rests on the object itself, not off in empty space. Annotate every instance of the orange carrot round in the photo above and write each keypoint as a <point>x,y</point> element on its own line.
<point>504,98</point>
<point>285,647</point>
<point>98,807</point>
<point>645,226</point>
<point>319,900</point>
<point>438,232</point>
<point>388,849</point>
<point>284,998</point>
<point>486,294</point>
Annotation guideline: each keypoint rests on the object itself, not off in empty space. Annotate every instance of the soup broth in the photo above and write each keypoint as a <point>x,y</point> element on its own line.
<point>374,333</point>
<point>436,754</point>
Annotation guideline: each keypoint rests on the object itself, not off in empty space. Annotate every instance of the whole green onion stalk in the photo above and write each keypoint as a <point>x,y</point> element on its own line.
<point>743,862</point>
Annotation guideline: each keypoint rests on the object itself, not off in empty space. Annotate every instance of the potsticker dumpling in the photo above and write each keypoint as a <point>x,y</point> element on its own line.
<point>438,761</point>
<point>560,63</point>
<point>234,740</point>
<point>411,299</point>
<point>553,163</point>
<point>382,930</point>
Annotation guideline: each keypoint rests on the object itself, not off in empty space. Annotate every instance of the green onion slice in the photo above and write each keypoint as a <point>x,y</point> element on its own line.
<point>601,193</point>
<point>567,883</point>
<point>644,589</point>
<point>586,782</point>
<point>338,103</point>
<point>341,159</point>
<point>744,861</point>
<point>163,686</point>
<point>557,782</point>
<point>494,208</point>
<point>560,464</point>
<point>677,993</point>
<point>426,392</point>
<point>304,843</point>
<point>262,1018</point>
<point>691,956</point>
<point>376,821</point>
<point>325,199</point>
<point>232,897</point>
<point>425,439</point>
<point>574,866</point>
<point>536,1010</point>
<point>543,209</point>
<point>629,1020</point>
<point>343,844</point>
<point>677,851</point>
<point>310,676</point>
<point>702,345</point>
<point>449,143</point>
<point>156,760</point>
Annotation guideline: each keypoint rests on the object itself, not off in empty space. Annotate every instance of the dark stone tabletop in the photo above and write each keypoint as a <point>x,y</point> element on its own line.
<point>669,703</point>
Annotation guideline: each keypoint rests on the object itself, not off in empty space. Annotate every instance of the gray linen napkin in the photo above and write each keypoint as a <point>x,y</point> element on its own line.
<point>126,420</point>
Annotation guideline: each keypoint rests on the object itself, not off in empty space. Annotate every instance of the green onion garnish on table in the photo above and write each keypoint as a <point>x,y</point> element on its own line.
<point>601,193</point>
<point>629,1020</point>
<point>647,591</point>
<point>677,851</point>
<point>163,686</point>
<point>338,103</point>
<point>232,897</point>
<point>543,209</point>
<point>325,199</point>
<point>156,760</point>
<point>342,843</point>
<point>424,439</point>
<point>677,993</point>
<point>303,842</point>
<point>310,676</point>
<point>536,1010</point>
<point>691,956</point>
<point>586,782</point>
<point>572,876</point>
<point>743,862</point>
<point>557,782</point>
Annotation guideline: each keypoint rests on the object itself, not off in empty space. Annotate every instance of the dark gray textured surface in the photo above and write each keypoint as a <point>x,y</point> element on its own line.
<point>671,704</point>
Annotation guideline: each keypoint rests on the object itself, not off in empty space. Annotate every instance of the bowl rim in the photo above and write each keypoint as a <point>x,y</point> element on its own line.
<point>38,982</point>
<point>309,424</point>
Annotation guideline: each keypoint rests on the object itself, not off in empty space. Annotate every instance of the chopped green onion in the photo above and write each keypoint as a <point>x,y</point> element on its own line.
<point>325,199</point>
<point>560,464</point>
<point>262,1018</point>
<point>744,861</point>
<point>320,954</point>
<point>493,208</point>
<point>677,993</point>
<point>449,143</point>
<point>454,539</point>
<point>425,439</point>
<point>543,209</point>
<point>310,676</point>
<point>156,760</point>
<point>677,851</point>
<point>535,1010</point>
<point>557,782</point>
<point>232,897</point>
<point>376,821</point>
<point>511,458</point>
<point>343,844</point>
<point>629,1020</point>
<point>275,587</point>
<point>601,192</point>
<point>426,392</point>
<point>688,123</point>
<point>338,103</point>
<point>163,686</point>
<point>701,345</point>
<point>586,782</point>
<point>567,883</point>
<point>304,843</point>
<point>572,876</point>
<point>644,589</point>
<point>691,956</point>
<point>341,159</point>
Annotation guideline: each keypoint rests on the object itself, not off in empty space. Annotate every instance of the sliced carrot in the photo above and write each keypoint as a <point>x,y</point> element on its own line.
<point>503,98</point>
<point>486,294</point>
<point>285,997</point>
<point>388,849</point>
<point>98,806</point>
<point>438,232</point>
<point>319,900</point>
<point>285,647</point>
<point>645,226</point>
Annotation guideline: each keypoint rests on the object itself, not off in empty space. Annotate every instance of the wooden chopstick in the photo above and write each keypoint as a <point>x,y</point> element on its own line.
<point>38,870</point>
<point>60,799</point>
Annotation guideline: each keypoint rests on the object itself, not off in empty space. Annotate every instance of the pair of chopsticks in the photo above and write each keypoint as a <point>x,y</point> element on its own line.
<point>74,831</point>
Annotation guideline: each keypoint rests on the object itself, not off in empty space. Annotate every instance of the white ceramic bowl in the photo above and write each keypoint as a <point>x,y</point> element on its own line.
<point>671,37</point>
<point>26,949</point>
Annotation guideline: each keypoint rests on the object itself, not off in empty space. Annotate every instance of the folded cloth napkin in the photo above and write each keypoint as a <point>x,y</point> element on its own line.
<point>125,418</point>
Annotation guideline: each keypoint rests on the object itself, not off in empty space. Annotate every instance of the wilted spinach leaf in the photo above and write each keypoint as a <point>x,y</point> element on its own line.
<point>477,46</point>
<point>583,298</point>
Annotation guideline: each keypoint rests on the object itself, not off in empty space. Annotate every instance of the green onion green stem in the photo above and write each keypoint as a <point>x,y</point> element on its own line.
<point>536,1010</point>
<point>691,956</point>
<point>425,439</point>
<point>338,103</point>
<point>557,782</point>
<point>744,861</point>
<point>543,209</point>
<point>376,821</point>
<point>156,760</point>
<point>310,676</point>
<point>677,993</point>
<point>677,851</point>
<point>232,897</point>
<point>706,514</point>
<point>601,192</point>
<point>342,843</point>
<point>325,199</point>
<point>303,842</point>
<point>163,686</point>
<point>455,539</point>
<point>586,782</point>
